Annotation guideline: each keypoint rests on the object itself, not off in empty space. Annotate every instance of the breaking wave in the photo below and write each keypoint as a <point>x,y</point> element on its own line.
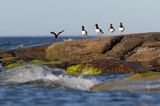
<point>45,76</point>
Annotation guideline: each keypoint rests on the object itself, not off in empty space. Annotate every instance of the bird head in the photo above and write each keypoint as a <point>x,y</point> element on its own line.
<point>96,25</point>
<point>121,24</point>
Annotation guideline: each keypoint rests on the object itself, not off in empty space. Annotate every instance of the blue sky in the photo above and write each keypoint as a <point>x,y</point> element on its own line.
<point>39,17</point>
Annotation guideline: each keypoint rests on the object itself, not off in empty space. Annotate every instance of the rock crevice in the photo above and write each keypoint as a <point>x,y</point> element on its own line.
<point>113,42</point>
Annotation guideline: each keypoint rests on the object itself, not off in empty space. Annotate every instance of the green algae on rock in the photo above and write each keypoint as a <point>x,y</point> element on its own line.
<point>8,58</point>
<point>17,64</point>
<point>83,69</point>
<point>140,82</point>
<point>147,76</point>
<point>33,62</point>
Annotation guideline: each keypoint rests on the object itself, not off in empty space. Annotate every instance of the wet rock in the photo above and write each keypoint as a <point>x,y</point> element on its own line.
<point>10,57</point>
<point>15,64</point>
<point>9,60</point>
<point>102,66</point>
<point>62,65</point>
<point>117,66</point>
<point>33,62</point>
<point>139,82</point>
<point>36,52</point>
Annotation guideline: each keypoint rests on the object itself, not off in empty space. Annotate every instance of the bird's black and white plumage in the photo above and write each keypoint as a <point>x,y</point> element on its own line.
<point>56,35</point>
<point>121,27</point>
<point>98,30</point>
<point>111,28</point>
<point>84,32</point>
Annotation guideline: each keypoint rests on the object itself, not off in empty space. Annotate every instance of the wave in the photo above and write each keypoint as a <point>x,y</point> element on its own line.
<point>68,39</point>
<point>5,46</point>
<point>19,46</point>
<point>45,76</point>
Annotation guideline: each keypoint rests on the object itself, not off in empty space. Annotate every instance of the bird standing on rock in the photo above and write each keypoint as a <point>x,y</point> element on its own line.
<point>98,30</point>
<point>84,32</point>
<point>121,27</point>
<point>111,28</point>
<point>56,35</point>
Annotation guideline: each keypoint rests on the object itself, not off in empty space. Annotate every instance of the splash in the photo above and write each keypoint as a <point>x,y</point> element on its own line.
<point>53,77</point>
<point>68,39</point>
<point>19,46</point>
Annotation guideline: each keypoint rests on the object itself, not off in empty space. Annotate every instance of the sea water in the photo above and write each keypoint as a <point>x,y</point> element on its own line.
<point>30,85</point>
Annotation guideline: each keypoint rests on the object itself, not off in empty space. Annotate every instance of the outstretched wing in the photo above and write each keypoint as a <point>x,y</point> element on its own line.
<point>60,32</point>
<point>53,33</point>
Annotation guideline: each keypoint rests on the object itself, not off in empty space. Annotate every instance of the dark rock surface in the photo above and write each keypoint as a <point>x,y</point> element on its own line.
<point>26,54</point>
<point>117,66</point>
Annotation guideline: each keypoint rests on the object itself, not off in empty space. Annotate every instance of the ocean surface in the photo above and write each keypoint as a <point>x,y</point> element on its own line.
<point>31,85</point>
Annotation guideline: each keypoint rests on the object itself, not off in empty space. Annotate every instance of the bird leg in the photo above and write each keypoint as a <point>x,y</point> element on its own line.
<point>99,36</point>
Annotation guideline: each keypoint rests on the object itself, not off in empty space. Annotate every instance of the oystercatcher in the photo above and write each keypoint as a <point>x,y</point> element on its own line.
<point>84,32</point>
<point>56,35</point>
<point>98,30</point>
<point>111,28</point>
<point>121,27</point>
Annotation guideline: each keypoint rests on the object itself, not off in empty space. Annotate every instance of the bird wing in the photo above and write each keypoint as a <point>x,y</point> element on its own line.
<point>86,33</point>
<point>101,31</point>
<point>60,32</point>
<point>53,33</point>
<point>123,29</point>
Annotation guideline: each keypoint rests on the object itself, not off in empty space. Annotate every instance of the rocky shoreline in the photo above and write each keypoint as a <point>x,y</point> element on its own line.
<point>130,53</point>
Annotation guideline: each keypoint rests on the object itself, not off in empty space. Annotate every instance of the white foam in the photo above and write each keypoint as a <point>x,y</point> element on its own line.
<point>68,39</point>
<point>29,73</point>
<point>72,82</point>
<point>24,74</point>
<point>20,46</point>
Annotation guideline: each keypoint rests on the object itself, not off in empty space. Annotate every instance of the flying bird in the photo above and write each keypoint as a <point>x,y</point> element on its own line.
<point>56,35</point>
<point>111,28</point>
<point>84,32</point>
<point>98,30</point>
<point>121,27</point>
